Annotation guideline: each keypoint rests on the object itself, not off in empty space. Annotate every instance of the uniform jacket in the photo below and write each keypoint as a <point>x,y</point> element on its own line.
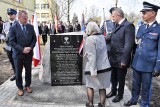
<point>122,41</point>
<point>95,54</point>
<point>108,27</point>
<point>6,27</point>
<point>147,56</point>
<point>19,40</point>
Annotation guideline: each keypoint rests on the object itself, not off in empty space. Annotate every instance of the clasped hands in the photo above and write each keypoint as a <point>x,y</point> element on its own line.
<point>26,50</point>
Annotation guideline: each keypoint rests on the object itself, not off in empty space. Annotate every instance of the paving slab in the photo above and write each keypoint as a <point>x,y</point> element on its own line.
<point>45,95</point>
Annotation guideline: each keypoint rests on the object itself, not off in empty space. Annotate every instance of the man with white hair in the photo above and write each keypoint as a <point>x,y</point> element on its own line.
<point>122,41</point>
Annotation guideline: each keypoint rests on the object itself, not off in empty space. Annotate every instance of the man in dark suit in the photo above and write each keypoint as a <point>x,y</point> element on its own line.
<point>61,28</point>
<point>45,32</point>
<point>122,41</point>
<point>22,39</point>
<point>146,62</point>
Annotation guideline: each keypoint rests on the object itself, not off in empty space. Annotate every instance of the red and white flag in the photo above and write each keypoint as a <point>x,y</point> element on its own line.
<point>80,50</point>
<point>56,22</point>
<point>36,50</point>
<point>103,22</point>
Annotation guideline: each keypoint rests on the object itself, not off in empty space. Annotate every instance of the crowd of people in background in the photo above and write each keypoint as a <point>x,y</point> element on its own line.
<point>45,29</point>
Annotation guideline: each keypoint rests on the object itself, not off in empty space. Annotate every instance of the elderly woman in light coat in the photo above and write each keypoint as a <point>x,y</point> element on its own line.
<point>97,68</point>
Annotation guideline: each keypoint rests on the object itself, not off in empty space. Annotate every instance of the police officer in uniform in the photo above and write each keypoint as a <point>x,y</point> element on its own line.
<point>146,62</point>
<point>6,26</point>
<point>108,27</point>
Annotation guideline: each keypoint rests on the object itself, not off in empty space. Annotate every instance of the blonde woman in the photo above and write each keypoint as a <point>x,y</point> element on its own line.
<point>97,68</point>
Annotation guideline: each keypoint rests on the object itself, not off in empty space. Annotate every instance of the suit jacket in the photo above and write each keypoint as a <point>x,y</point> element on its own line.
<point>95,54</point>
<point>122,41</point>
<point>19,40</point>
<point>147,55</point>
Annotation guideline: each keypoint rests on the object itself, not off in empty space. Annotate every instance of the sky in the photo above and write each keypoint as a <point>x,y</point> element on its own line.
<point>126,5</point>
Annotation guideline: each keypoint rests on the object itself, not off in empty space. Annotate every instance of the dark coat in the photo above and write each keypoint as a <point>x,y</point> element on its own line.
<point>19,40</point>
<point>122,41</point>
<point>40,30</point>
<point>45,30</point>
<point>61,29</point>
<point>1,27</point>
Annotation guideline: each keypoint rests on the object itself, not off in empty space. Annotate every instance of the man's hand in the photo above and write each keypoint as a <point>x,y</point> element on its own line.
<point>156,73</point>
<point>26,50</point>
<point>123,65</point>
<point>29,48</point>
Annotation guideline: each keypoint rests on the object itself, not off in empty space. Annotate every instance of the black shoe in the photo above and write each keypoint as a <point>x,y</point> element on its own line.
<point>129,103</point>
<point>118,98</point>
<point>13,78</point>
<point>87,105</point>
<point>111,94</point>
<point>100,105</point>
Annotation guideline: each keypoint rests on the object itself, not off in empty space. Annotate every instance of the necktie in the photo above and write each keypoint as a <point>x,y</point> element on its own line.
<point>117,25</point>
<point>11,24</point>
<point>23,28</point>
<point>147,26</point>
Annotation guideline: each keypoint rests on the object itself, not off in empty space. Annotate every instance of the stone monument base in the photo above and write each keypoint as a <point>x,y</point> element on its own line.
<point>43,92</point>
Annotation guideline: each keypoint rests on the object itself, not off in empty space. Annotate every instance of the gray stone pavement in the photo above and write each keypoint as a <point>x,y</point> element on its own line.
<point>8,97</point>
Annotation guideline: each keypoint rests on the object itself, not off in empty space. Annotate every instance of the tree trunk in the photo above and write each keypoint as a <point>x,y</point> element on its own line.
<point>68,12</point>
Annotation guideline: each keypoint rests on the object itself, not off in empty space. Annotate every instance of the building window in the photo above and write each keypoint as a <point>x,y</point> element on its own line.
<point>45,15</point>
<point>38,15</point>
<point>20,1</point>
<point>37,6</point>
<point>44,6</point>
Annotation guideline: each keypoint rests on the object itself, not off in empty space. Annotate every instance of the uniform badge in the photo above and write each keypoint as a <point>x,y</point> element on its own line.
<point>138,41</point>
<point>154,34</point>
<point>154,25</point>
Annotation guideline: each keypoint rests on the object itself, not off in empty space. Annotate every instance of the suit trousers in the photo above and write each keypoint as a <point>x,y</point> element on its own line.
<point>143,79</point>
<point>44,38</point>
<point>118,79</point>
<point>20,62</point>
<point>9,54</point>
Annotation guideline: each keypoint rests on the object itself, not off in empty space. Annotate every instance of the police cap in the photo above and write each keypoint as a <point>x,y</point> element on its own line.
<point>11,11</point>
<point>148,7</point>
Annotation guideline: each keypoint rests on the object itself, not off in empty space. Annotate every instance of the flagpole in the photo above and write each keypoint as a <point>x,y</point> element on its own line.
<point>116,3</point>
<point>103,14</point>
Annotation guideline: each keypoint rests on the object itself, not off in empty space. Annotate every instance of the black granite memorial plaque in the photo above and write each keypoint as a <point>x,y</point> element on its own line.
<point>66,63</point>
